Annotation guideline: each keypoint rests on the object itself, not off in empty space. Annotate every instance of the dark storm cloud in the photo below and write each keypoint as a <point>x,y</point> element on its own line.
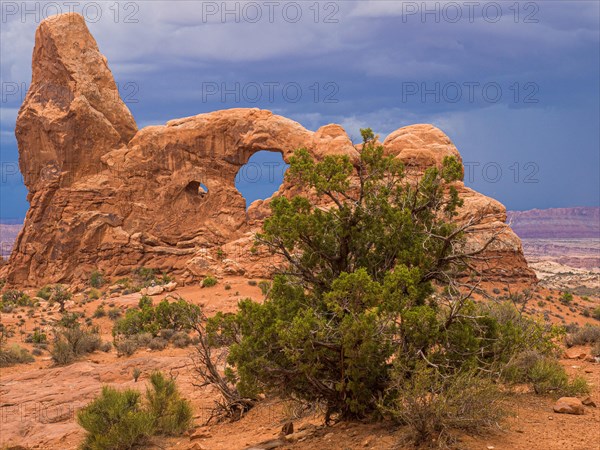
<point>517,93</point>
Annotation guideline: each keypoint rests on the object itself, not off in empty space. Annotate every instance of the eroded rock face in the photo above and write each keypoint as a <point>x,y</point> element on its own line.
<point>105,195</point>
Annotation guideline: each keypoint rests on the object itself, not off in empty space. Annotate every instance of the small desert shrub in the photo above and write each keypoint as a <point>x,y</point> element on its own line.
<point>227,287</point>
<point>37,337</point>
<point>173,415</point>
<point>37,351</point>
<point>94,294</point>
<point>252,283</point>
<point>45,292</point>
<point>115,420</point>
<point>596,350</point>
<point>433,406</point>
<point>496,291</point>
<point>586,313</point>
<point>106,347</point>
<point>114,313</point>
<point>126,346</point>
<point>596,313</point>
<point>544,373</point>
<point>121,420</point>
<point>59,295</point>
<point>566,298</point>
<point>209,282</point>
<point>62,353</point>
<point>13,298</point>
<point>72,341</point>
<point>136,372</point>
<point>587,334</point>
<point>166,333</point>
<point>100,312</point>
<point>14,355</point>
<point>143,339</point>
<point>181,339</point>
<point>96,279</point>
<point>158,344</point>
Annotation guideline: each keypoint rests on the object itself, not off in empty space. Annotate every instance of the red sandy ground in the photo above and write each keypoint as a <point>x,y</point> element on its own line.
<point>38,400</point>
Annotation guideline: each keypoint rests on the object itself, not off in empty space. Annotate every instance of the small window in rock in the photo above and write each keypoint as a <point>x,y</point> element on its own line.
<point>196,188</point>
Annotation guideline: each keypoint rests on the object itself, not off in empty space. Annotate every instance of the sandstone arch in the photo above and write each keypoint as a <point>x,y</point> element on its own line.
<point>106,195</point>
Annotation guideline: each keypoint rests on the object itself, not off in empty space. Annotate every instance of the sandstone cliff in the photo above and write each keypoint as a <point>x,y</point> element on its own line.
<point>105,195</point>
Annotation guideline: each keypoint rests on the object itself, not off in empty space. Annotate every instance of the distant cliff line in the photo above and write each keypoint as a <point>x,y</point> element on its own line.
<point>552,223</point>
<point>556,223</point>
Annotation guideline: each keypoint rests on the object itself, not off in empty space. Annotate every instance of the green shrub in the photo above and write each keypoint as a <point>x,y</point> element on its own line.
<point>136,372</point>
<point>13,297</point>
<point>45,292</point>
<point>544,373</point>
<point>433,406</point>
<point>59,295</point>
<point>145,274</point>
<point>94,294</point>
<point>566,298</point>
<point>372,278</point>
<point>265,287</point>
<point>96,279</point>
<point>227,287</point>
<point>115,420</point>
<point>179,315</point>
<point>173,415</point>
<point>209,282</point>
<point>252,283</point>
<point>71,341</point>
<point>120,420</point>
<point>62,353</point>
<point>114,313</point>
<point>37,337</point>
<point>100,312</point>
<point>596,313</point>
<point>14,355</point>
<point>548,376</point>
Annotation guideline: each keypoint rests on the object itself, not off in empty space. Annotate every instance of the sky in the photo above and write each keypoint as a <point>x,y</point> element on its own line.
<point>515,85</point>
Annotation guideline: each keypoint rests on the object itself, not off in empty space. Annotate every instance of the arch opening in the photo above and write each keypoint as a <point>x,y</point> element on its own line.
<point>261,176</point>
<point>196,188</point>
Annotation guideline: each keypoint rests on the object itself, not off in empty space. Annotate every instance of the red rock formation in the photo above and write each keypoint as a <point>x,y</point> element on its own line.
<point>104,195</point>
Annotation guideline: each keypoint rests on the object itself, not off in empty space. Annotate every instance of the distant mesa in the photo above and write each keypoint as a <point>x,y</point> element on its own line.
<point>105,195</point>
<point>563,223</point>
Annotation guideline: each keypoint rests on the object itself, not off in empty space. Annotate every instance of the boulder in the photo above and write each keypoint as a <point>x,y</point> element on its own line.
<point>568,405</point>
<point>170,287</point>
<point>587,401</point>
<point>152,290</point>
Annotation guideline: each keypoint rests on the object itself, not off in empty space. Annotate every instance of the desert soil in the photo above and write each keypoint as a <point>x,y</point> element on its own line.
<point>38,401</point>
